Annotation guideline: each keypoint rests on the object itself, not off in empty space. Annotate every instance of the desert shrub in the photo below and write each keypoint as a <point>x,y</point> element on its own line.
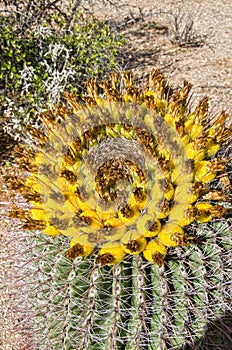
<point>39,62</point>
<point>182,32</point>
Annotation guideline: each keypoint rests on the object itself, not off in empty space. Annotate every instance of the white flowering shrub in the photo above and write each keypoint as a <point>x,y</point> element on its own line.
<point>39,62</point>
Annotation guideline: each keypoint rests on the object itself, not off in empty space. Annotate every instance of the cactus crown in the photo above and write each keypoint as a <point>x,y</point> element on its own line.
<point>125,174</point>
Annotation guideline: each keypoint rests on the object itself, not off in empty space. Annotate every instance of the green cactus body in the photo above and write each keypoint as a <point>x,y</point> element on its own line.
<point>132,305</point>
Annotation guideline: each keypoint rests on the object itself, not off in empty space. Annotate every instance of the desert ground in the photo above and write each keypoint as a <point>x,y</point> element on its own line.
<point>204,59</point>
<point>149,27</point>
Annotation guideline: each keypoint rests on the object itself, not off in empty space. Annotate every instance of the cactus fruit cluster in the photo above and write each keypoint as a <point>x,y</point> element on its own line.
<point>129,200</point>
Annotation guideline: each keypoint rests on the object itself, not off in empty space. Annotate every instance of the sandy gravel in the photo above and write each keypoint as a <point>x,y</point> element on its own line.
<point>148,45</point>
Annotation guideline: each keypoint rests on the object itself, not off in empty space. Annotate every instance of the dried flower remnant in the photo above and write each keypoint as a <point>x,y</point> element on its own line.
<point>125,174</point>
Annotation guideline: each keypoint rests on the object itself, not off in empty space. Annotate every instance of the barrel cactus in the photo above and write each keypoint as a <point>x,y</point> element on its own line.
<point>127,230</point>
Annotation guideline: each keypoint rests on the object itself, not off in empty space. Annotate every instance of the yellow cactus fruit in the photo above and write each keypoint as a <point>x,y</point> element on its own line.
<point>169,192</point>
<point>128,215</point>
<point>133,242</point>
<point>51,230</point>
<point>194,153</point>
<point>148,226</point>
<point>204,214</point>
<point>138,198</point>
<point>110,254</point>
<point>79,246</point>
<point>189,216</point>
<point>172,235</point>
<point>204,172</point>
<point>155,252</point>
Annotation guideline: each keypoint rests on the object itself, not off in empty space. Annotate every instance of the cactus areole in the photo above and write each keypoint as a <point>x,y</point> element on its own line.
<point>125,171</point>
